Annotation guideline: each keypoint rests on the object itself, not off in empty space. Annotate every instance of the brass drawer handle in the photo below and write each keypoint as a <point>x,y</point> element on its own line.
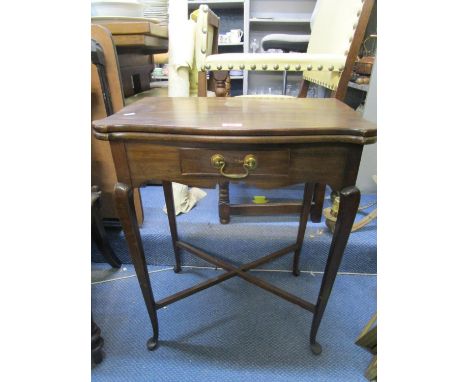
<point>250,163</point>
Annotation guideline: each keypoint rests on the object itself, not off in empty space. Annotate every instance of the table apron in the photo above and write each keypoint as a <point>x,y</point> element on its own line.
<point>335,164</point>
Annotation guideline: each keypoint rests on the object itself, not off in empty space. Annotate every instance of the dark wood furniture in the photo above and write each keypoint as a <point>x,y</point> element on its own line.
<point>265,142</point>
<point>225,207</point>
<point>136,40</point>
<point>102,166</point>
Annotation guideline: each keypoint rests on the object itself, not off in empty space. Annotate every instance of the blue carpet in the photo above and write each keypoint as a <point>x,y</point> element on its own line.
<point>231,332</point>
<point>245,238</point>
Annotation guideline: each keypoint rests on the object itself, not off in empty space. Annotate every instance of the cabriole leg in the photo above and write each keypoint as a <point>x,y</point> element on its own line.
<point>123,195</point>
<point>349,202</point>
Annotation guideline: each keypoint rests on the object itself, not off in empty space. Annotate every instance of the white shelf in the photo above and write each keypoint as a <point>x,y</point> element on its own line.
<point>236,77</point>
<point>362,87</point>
<point>159,77</point>
<point>278,21</point>
<point>224,4</point>
<point>231,44</point>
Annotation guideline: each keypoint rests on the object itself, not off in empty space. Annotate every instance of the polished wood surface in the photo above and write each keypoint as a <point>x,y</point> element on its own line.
<point>103,172</point>
<point>135,40</point>
<point>172,143</point>
<point>143,44</point>
<point>326,119</point>
<point>132,26</point>
<point>136,36</point>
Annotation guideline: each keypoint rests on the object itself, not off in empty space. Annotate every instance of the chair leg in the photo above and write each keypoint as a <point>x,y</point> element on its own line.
<point>306,205</point>
<point>99,236</point>
<point>202,84</point>
<point>349,203</point>
<point>223,203</point>
<point>169,197</point>
<point>124,203</point>
<point>319,196</point>
<point>220,78</point>
<point>96,343</point>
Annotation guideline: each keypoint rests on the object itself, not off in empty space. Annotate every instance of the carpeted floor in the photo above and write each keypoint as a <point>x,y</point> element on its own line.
<point>246,237</point>
<point>234,331</point>
<point>231,332</point>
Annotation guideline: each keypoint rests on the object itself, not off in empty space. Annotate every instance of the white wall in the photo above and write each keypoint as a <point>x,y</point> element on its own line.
<point>369,155</point>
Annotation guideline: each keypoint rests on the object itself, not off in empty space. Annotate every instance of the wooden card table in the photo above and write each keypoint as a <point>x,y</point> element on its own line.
<point>265,142</point>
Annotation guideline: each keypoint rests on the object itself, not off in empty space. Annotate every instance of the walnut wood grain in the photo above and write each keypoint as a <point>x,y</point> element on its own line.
<point>239,117</point>
<point>149,146</point>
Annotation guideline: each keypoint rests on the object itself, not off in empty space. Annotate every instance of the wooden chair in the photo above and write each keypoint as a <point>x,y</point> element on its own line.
<point>102,164</point>
<point>336,35</point>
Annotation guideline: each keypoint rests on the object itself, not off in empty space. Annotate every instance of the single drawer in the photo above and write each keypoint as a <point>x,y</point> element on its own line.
<point>236,164</point>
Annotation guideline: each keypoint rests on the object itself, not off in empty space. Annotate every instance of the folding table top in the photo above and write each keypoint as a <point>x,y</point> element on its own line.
<point>321,119</point>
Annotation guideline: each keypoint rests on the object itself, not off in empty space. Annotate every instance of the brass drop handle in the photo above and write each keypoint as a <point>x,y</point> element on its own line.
<point>218,162</point>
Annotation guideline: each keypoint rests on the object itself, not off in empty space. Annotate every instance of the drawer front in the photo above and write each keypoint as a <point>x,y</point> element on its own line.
<point>271,163</point>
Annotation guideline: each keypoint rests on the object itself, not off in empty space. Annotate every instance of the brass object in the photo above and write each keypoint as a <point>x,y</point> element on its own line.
<point>320,67</point>
<point>219,67</point>
<point>276,66</point>
<point>241,66</point>
<point>207,66</point>
<point>204,30</point>
<point>203,50</point>
<point>331,67</point>
<point>309,67</point>
<point>253,66</point>
<point>298,67</point>
<point>331,215</point>
<point>341,68</point>
<point>286,67</point>
<point>249,163</point>
<point>217,161</point>
<point>264,66</point>
<point>230,66</point>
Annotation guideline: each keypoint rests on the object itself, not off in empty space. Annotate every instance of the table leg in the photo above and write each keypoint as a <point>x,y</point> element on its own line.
<point>123,195</point>
<point>306,206</point>
<point>349,203</point>
<point>223,203</point>
<point>319,196</point>
<point>169,196</point>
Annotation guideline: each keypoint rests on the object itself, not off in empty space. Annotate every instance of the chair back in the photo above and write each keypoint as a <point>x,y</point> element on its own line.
<point>337,27</point>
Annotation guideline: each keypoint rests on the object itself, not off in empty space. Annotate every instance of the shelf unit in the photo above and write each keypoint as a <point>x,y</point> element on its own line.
<point>258,18</point>
<point>278,21</point>
<point>225,4</point>
<point>276,16</point>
